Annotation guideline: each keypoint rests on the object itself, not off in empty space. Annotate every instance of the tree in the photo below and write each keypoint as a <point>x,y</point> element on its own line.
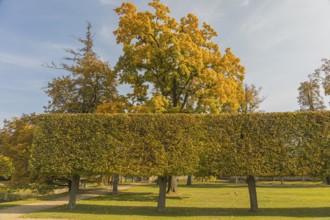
<point>6,166</point>
<point>16,139</point>
<point>272,144</point>
<point>176,61</point>
<point>90,83</point>
<point>252,99</point>
<point>309,97</point>
<point>323,73</point>
<point>173,66</point>
<point>15,142</point>
<point>68,148</point>
<point>121,105</point>
<point>99,144</point>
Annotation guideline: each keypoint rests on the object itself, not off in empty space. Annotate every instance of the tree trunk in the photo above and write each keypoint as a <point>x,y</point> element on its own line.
<point>115,183</point>
<point>172,184</point>
<point>74,191</point>
<point>104,181</point>
<point>189,181</point>
<point>327,180</point>
<point>253,193</point>
<point>162,180</point>
<point>69,184</point>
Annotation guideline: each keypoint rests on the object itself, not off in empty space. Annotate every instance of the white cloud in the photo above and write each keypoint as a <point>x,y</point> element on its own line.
<point>106,33</point>
<point>109,2</point>
<point>20,60</point>
<point>55,46</point>
<point>245,3</point>
<point>272,23</point>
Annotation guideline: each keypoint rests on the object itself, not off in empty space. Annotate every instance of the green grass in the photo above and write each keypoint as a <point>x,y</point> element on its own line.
<point>204,201</point>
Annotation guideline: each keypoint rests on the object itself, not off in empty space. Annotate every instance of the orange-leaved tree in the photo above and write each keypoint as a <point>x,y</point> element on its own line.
<point>174,66</point>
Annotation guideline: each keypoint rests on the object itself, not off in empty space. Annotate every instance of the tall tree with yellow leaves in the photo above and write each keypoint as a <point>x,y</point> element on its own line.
<point>174,66</point>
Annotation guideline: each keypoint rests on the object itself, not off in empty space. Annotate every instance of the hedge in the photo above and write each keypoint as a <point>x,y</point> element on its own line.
<point>258,144</point>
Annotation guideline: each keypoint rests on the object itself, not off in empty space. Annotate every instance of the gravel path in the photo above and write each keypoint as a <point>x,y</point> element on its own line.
<point>16,212</point>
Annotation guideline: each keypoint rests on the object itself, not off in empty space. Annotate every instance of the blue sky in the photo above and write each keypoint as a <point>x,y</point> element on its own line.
<point>279,42</point>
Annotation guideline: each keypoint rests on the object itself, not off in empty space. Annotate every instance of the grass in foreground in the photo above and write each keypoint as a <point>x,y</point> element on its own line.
<point>204,201</point>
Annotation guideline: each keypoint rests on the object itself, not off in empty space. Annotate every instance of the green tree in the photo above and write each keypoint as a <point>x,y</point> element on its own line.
<point>6,166</point>
<point>69,148</point>
<point>309,97</point>
<point>251,100</point>
<point>323,73</point>
<point>90,83</point>
<point>15,145</point>
<point>272,144</point>
<point>104,144</point>
<point>15,142</point>
<point>174,66</point>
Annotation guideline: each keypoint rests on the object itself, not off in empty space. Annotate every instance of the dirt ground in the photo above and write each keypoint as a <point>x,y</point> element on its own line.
<point>16,212</point>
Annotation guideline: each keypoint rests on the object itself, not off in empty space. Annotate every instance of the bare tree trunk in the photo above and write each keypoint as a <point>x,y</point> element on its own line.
<point>327,180</point>
<point>172,184</point>
<point>69,184</point>
<point>162,180</point>
<point>115,183</point>
<point>253,193</point>
<point>282,180</point>
<point>73,192</point>
<point>104,183</point>
<point>189,181</point>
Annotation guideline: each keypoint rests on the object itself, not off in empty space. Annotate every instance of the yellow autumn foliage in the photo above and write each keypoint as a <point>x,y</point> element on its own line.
<point>177,60</point>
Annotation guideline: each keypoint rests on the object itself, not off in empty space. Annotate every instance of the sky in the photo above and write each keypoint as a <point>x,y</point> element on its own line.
<point>279,43</point>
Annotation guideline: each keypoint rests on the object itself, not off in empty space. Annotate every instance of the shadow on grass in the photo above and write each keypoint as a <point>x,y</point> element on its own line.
<point>242,185</point>
<point>213,186</point>
<point>136,197</point>
<point>195,211</point>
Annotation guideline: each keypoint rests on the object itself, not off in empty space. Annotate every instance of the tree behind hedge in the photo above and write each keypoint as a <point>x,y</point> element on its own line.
<point>89,83</point>
<point>15,141</point>
<point>175,66</point>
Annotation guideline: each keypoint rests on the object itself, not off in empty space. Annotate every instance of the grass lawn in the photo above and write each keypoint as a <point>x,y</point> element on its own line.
<point>204,201</point>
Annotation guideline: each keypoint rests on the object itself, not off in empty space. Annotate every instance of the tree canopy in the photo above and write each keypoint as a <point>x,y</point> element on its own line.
<point>310,97</point>
<point>173,65</point>
<point>276,144</point>
<point>90,81</point>
<point>15,140</point>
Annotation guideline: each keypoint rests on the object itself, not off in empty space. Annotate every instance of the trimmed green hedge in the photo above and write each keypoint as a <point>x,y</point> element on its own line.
<point>260,144</point>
